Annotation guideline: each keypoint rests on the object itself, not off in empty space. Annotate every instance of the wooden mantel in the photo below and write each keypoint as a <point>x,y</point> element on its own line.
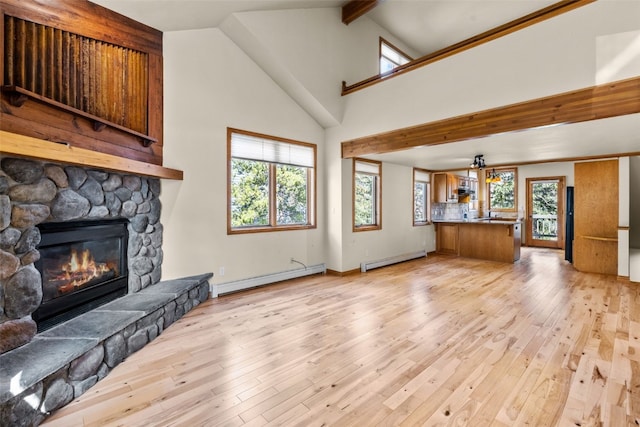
<point>39,149</point>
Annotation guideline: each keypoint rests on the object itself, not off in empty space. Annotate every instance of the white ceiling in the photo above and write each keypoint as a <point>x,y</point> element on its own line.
<point>424,26</point>
<point>175,15</point>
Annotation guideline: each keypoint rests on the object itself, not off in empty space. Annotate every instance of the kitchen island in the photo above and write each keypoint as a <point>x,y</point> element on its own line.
<point>494,240</point>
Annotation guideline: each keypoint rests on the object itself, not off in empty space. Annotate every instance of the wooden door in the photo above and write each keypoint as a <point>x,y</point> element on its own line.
<point>595,247</point>
<point>545,212</point>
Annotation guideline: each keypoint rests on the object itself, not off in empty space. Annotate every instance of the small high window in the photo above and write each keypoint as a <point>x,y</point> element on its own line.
<point>391,57</point>
<point>367,188</point>
<point>421,205</point>
<point>271,183</point>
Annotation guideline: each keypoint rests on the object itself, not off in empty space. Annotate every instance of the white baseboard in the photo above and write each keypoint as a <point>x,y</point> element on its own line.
<point>370,265</point>
<point>238,285</point>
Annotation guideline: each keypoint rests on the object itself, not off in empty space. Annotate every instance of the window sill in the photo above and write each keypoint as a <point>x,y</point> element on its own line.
<point>421,224</point>
<point>268,229</point>
<point>366,228</point>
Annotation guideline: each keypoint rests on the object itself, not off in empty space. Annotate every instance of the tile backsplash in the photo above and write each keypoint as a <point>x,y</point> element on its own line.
<point>451,211</point>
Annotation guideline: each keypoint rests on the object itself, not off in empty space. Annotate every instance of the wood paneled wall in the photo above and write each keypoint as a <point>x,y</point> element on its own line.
<point>102,79</point>
<point>595,245</point>
<point>88,77</point>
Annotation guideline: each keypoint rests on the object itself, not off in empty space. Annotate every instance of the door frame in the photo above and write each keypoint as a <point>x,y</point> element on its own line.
<point>559,244</point>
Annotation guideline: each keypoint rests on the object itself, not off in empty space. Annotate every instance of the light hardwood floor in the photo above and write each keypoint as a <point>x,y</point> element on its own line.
<point>441,341</point>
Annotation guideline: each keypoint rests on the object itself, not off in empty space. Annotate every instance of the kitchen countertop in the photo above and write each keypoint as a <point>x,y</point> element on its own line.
<point>476,221</point>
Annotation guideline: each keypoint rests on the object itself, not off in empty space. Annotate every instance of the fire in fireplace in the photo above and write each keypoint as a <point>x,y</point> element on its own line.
<point>83,265</point>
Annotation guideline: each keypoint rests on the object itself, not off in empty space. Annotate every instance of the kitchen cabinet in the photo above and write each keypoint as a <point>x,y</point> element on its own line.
<point>463,182</point>
<point>473,187</point>
<point>449,188</point>
<point>445,188</point>
<point>447,238</point>
<point>491,240</point>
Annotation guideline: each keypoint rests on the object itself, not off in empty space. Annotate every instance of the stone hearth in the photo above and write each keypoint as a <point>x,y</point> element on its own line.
<point>62,363</point>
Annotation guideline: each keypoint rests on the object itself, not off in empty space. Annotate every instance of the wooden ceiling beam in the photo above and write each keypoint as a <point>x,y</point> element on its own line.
<point>592,103</point>
<point>354,9</point>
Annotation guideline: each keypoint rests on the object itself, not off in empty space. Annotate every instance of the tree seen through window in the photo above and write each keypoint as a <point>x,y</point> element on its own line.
<point>502,194</point>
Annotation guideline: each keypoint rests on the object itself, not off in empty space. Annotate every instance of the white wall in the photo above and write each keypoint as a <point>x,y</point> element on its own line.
<point>309,52</point>
<point>211,84</point>
<point>398,235</point>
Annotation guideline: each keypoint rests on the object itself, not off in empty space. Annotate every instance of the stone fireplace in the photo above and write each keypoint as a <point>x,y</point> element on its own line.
<point>63,329</point>
<point>33,194</point>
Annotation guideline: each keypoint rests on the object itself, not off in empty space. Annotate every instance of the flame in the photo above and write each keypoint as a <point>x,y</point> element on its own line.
<point>80,269</point>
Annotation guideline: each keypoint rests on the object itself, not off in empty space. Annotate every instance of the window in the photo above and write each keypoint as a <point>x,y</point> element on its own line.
<point>502,191</point>
<point>391,57</point>
<point>421,206</point>
<point>271,183</point>
<point>367,186</point>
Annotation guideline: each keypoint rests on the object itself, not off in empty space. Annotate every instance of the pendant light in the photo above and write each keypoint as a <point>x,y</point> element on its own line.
<point>493,177</point>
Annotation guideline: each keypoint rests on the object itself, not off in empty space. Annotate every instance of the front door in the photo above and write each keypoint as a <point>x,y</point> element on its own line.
<point>545,212</point>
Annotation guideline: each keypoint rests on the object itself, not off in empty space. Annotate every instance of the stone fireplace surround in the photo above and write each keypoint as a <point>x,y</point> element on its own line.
<point>43,372</point>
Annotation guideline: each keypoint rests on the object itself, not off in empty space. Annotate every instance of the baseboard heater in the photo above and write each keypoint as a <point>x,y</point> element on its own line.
<point>366,266</point>
<point>239,285</point>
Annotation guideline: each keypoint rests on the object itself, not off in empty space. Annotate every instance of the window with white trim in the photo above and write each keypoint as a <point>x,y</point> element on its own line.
<point>367,188</point>
<point>421,202</point>
<point>391,57</point>
<point>271,183</point>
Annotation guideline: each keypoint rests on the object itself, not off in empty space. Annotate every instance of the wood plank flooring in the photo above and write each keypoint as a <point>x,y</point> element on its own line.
<point>439,341</point>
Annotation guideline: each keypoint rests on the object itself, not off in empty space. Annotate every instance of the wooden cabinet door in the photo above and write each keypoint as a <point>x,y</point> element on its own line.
<point>595,246</point>
<point>452,187</point>
<point>473,186</point>
<point>440,187</point>
<point>447,238</point>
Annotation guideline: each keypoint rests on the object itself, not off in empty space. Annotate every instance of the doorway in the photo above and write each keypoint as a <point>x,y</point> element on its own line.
<point>545,210</point>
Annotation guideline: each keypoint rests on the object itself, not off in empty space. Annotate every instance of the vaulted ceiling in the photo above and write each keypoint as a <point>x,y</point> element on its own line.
<point>424,26</point>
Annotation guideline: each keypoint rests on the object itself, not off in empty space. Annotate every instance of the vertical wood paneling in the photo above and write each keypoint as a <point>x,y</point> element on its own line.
<point>99,78</point>
<point>9,49</point>
<point>40,51</point>
<point>154,100</point>
<point>595,247</point>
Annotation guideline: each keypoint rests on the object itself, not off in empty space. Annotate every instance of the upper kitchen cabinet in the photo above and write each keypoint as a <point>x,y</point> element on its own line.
<point>79,74</point>
<point>445,188</point>
<point>450,188</point>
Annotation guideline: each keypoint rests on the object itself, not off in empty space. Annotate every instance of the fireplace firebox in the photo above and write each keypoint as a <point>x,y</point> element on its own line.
<point>83,265</point>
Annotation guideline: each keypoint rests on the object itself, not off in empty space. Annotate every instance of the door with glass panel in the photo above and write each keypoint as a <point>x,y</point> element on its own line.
<point>545,212</point>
